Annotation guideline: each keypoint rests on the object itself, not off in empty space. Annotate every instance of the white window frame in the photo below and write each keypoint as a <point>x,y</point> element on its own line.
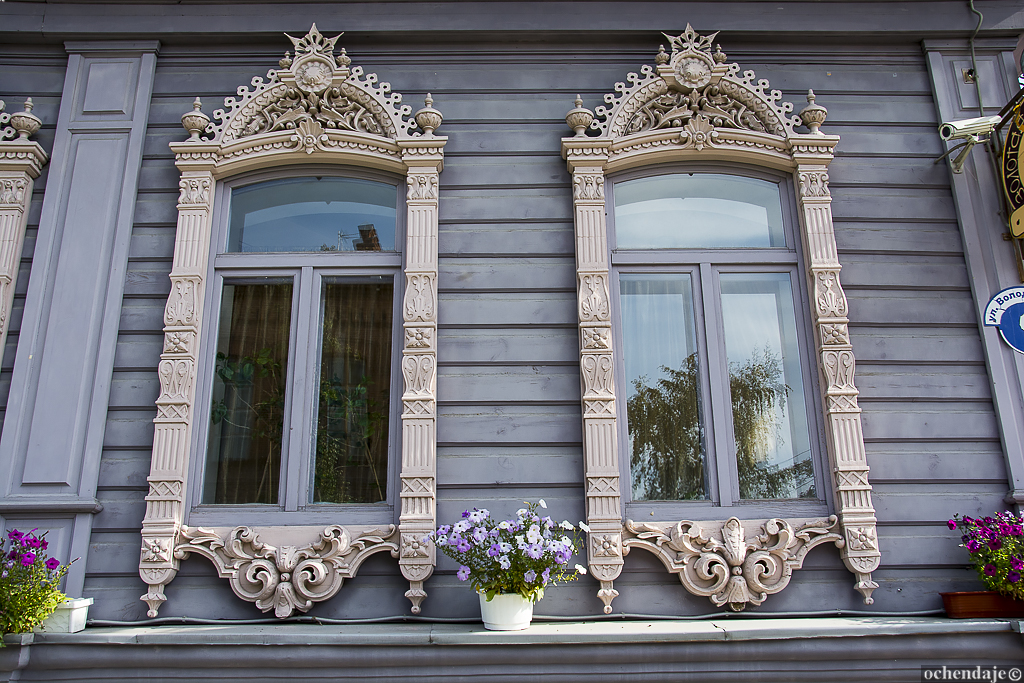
<point>732,119</point>
<point>292,566</point>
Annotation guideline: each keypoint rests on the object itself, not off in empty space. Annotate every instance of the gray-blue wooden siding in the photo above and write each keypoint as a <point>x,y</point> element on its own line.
<point>509,425</point>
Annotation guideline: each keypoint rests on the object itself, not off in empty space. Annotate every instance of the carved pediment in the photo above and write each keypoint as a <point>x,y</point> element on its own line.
<point>315,91</point>
<point>693,83</point>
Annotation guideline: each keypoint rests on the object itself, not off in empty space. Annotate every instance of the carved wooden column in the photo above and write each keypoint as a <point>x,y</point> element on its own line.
<point>845,436</point>
<point>600,448</point>
<point>21,161</point>
<point>419,358</point>
<point>183,317</point>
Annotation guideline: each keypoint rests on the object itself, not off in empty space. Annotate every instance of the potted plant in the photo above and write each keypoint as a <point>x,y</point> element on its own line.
<point>510,562</point>
<point>996,547</point>
<point>30,588</point>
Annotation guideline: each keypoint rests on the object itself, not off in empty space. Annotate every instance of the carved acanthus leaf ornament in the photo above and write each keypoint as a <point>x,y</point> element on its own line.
<point>285,578</point>
<point>724,563</point>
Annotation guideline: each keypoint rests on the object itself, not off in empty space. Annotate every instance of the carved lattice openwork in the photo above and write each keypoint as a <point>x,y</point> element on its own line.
<point>317,108</point>
<point>693,106</point>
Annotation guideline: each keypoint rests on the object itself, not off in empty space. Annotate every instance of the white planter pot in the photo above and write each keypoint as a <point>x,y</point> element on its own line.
<point>69,617</point>
<point>506,612</point>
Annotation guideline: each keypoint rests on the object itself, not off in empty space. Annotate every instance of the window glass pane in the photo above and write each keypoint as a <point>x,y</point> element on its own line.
<point>666,428</point>
<point>351,460</point>
<point>313,214</point>
<point>770,427</point>
<point>703,210</point>
<point>247,412</point>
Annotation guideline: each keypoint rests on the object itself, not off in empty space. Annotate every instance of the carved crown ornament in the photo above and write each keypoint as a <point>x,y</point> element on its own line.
<point>692,106</point>
<point>317,108</point>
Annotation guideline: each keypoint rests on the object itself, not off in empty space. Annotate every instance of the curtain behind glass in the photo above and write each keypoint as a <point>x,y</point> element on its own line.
<point>770,427</point>
<point>351,459</point>
<point>247,412</point>
<point>663,407</point>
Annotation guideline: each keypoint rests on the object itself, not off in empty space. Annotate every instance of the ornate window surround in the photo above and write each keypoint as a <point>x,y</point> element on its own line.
<point>316,109</point>
<point>21,161</point>
<point>693,107</point>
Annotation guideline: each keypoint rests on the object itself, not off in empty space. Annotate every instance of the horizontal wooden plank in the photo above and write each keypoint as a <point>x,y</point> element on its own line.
<point>536,345</point>
<point>129,429</point>
<point>919,308</point>
<point>907,271</point>
<point>893,204</point>
<point>929,421</point>
<point>131,389</point>
<point>477,467</point>
<point>511,308</point>
<point>505,238</point>
<point>517,383</point>
<point>936,462</point>
<point>152,242</point>
<point>121,510</point>
<point>508,424</point>
<point>142,314</point>
<point>506,273</point>
<point>935,503</point>
<point>935,382</point>
<point>885,172</point>
<point>933,345</point>
<point>125,468</point>
<point>940,237</point>
<point>138,350</point>
<point>157,207</point>
<point>148,278</point>
<point>493,204</point>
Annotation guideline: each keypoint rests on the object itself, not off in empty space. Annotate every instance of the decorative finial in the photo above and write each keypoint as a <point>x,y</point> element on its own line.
<point>195,121</point>
<point>662,56</point>
<point>579,118</point>
<point>25,122</point>
<point>285,61</point>
<point>343,59</point>
<point>719,56</point>
<point>813,115</point>
<point>428,118</point>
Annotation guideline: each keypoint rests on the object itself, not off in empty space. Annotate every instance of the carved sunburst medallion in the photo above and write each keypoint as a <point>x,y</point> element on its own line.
<point>693,72</point>
<point>314,75</point>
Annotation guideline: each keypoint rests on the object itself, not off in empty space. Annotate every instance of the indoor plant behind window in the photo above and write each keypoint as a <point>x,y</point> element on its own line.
<point>510,562</point>
<point>996,546</point>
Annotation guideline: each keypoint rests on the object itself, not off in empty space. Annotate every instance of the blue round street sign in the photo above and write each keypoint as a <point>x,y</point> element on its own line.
<point>1005,311</point>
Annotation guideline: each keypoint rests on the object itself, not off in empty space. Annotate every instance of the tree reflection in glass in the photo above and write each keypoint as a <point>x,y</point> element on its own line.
<point>350,464</point>
<point>247,411</point>
<point>663,406</point>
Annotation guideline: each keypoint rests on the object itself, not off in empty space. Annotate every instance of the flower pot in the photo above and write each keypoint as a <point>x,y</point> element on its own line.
<point>69,617</point>
<point>506,612</point>
<point>981,604</point>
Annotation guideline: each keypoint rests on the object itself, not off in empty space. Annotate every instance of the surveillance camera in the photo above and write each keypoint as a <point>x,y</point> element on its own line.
<point>965,128</point>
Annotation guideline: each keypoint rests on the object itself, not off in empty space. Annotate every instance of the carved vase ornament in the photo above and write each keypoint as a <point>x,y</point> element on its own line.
<point>693,106</point>
<point>316,108</point>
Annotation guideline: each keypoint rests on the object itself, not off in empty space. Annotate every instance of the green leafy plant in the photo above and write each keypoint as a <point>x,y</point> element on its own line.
<point>996,546</point>
<point>521,555</point>
<point>29,582</point>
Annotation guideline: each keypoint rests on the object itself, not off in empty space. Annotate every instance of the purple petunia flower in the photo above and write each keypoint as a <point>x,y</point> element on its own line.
<point>995,544</point>
<point>990,570</point>
<point>973,545</point>
<point>444,529</point>
<point>28,558</point>
<point>1016,562</point>
<point>545,575</point>
<point>504,562</point>
<point>463,572</point>
<point>462,545</point>
<point>479,535</point>
<point>15,535</point>
<point>535,551</point>
<point>1012,576</point>
<point>494,550</point>
<point>530,576</point>
<point>52,563</point>
<point>951,524</point>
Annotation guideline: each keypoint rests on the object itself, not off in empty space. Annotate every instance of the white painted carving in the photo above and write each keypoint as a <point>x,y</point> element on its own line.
<point>725,562</point>
<point>317,108</point>
<point>687,105</point>
<point>285,578</point>
<point>21,161</point>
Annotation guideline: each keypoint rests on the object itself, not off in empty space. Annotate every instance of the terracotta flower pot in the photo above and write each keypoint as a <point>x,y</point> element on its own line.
<point>981,604</point>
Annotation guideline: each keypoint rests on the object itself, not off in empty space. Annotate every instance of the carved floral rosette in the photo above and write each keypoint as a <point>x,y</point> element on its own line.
<point>316,109</point>
<point>694,107</point>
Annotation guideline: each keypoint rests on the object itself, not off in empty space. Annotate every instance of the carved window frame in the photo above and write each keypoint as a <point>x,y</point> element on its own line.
<point>316,109</point>
<point>693,108</point>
